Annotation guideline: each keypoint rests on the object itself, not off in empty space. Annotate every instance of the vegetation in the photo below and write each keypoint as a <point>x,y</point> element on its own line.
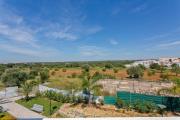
<point>144,107</point>
<point>14,77</point>
<point>151,72</point>
<point>6,116</point>
<point>119,103</point>
<point>90,85</point>
<point>26,89</point>
<point>173,90</point>
<point>86,67</point>
<point>41,101</point>
<point>155,66</point>
<point>44,75</point>
<point>176,69</point>
<point>108,66</point>
<point>139,106</point>
<point>135,72</point>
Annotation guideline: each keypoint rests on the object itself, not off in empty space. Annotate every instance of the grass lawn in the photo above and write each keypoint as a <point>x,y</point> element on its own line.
<point>6,116</point>
<point>41,101</point>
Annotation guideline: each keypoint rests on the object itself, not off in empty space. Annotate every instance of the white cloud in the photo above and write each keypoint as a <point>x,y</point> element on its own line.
<point>92,51</point>
<point>113,42</point>
<point>70,32</point>
<point>39,52</point>
<point>63,35</point>
<point>170,44</point>
<point>8,14</point>
<point>18,34</point>
<point>93,30</point>
<point>139,8</point>
<point>13,27</point>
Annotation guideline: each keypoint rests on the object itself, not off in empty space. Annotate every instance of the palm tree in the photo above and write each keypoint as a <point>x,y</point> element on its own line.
<point>26,89</point>
<point>90,85</point>
<point>50,94</point>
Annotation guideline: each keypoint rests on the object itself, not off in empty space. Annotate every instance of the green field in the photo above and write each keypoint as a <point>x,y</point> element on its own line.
<point>41,101</point>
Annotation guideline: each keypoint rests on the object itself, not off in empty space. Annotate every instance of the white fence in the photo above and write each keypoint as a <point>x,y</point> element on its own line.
<point>9,92</point>
<point>43,88</point>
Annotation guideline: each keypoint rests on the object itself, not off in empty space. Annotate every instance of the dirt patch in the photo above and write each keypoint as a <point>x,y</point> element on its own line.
<point>102,111</point>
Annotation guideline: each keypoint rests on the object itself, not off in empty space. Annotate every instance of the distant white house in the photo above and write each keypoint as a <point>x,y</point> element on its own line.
<point>169,61</point>
<point>146,63</point>
<point>161,61</point>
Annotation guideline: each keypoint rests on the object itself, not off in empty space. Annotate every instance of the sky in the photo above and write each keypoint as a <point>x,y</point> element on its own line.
<point>80,30</point>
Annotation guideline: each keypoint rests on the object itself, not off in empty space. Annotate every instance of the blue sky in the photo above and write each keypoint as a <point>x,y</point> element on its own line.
<point>72,30</point>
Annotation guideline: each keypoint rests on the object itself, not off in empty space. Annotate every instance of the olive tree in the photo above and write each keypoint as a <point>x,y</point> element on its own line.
<point>135,72</point>
<point>176,69</point>
<point>14,78</point>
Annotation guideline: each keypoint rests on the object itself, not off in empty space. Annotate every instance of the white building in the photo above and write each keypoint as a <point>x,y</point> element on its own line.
<point>146,63</point>
<point>161,61</point>
<point>169,61</point>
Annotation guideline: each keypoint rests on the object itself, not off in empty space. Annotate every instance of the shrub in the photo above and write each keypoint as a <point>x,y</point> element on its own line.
<point>155,66</point>
<point>151,72</point>
<point>86,67</point>
<point>97,76</point>
<point>33,74</point>
<point>68,76</point>
<point>119,103</point>
<point>64,70</point>
<point>44,75</point>
<point>144,107</point>
<point>104,69</point>
<point>53,73</point>
<point>38,94</point>
<point>115,70</point>
<point>108,66</point>
<point>74,75</point>
<point>164,76</point>
<point>135,72</point>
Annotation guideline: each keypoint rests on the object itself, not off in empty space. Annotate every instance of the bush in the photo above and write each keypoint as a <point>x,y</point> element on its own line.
<point>74,75</point>
<point>53,73</point>
<point>44,75</point>
<point>164,76</point>
<point>108,66</point>
<point>38,94</point>
<point>64,70</point>
<point>135,72</point>
<point>144,107</point>
<point>97,76</point>
<point>104,69</point>
<point>86,67</point>
<point>119,103</point>
<point>33,74</point>
<point>115,70</point>
<point>151,72</point>
<point>155,66</point>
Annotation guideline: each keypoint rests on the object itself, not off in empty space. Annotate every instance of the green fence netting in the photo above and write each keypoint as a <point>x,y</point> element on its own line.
<point>172,103</point>
<point>109,100</point>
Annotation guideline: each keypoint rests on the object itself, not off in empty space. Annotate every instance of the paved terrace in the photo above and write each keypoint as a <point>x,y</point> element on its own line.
<point>19,111</point>
<point>136,86</point>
